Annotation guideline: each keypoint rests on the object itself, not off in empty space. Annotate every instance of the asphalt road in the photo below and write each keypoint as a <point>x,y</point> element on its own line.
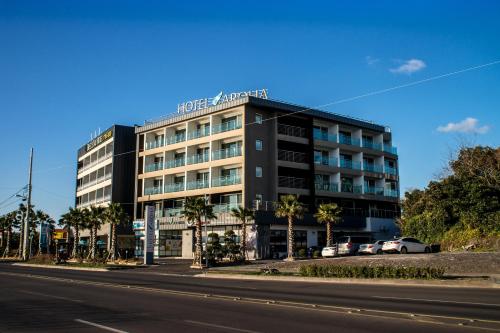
<point>149,300</point>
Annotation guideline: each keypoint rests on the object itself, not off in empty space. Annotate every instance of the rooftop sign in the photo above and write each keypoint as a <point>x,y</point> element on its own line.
<point>200,104</point>
<point>100,139</point>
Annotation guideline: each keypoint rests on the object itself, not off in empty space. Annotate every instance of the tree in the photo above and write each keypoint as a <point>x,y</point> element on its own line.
<point>243,214</point>
<point>21,215</point>
<point>194,210</point>
<point>9,221</point>
<point>95,221</point>
<point>230,248</point>
<point>329,213</point>
<point>290,208</point>
<point>115,216</point>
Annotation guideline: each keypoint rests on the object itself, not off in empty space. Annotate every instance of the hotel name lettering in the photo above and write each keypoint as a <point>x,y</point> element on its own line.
<point>200,104</point>
<point>100,139</point>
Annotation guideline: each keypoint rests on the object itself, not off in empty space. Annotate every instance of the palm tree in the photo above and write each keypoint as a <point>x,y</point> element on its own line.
<point>330,214</point>
<point>9,222</point>
<point>21,215</point>
<point>243,214</point>
<point>194,210</point>
<point>115,216</point>
<point>290,208</point>
<point>95,221</point>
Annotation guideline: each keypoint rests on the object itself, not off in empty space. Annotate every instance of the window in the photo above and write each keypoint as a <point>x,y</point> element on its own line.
<point>258,197</point>
<point>258,171</point>
<point>258,144</point>
<point>258,118</point>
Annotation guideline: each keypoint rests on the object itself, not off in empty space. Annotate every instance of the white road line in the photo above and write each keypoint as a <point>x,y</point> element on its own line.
<point>435,300</point>
<point>50,296</point>
<point>220,326</point>
<point>106,328</point>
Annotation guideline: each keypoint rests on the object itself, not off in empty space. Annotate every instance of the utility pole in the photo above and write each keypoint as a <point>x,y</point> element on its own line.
<point>28,210</point>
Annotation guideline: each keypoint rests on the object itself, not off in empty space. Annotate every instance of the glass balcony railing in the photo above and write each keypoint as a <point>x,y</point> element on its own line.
<point>323,160</point>
<point>198,158</point>
<point>225,208</point>
<point>370,167</point>
<point>155,144</point>
<point>226,126</point>
<point>349,188</point>
<point>197,184</point>
<point>348,140</point>
<point>200,133</point>
<point>176,138</point>
<point>226,180</point>
<point>226,153</point>
<point>374,190</point>
<point>178,162</point>
<point>349,164</point>
<point>390,149</point>
<point>174,187</point>
<point>390,170</point>
<point>153,167</point>
<point>172,211</point>
<point>391,193</point>
<point>329,187</point>
<point>325,137</point>
<point>152,190</point>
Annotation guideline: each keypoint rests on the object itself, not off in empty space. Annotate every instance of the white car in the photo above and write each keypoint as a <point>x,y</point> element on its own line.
<point>406,245</point>
<point>329,251</point>
<point>372,248</point>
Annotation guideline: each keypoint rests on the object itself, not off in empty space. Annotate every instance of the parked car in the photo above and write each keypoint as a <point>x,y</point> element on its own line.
<point>372,248</point>
<point>406,245</point>
<point>349,245</point>
<point>329,251</point>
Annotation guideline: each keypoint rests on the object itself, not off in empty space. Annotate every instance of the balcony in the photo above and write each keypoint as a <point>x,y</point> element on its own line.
<point>348,140</point>
<point>94,182</point>
<point>290,130</point>
<point>292,182</point>
<point>178,162</point>
<point>370,167</point>
<point>226,180</point>
<point>153,167</point>
<point>323,160</point>
<point>176,138</point>
<point>174,187</point>
<point>226,126</point>
<point>292,156</point>
<point>197,184</point>
<point>96,201</point>
<point>349,164</point>
<point>390,149</point>
<point>371,145</point>
<point>91,164</point>
<point>325,137</point>
<point>198,158</point>
<point>199,133</point>
<point>225,208</point>
<point>226,153</point>
<point>152,190</point>
<point>349,188</point>
<point>328,187</point>
<point>391,193</point>
<point>390,170</point>
<point>374,190</point>
<point>155,144</point>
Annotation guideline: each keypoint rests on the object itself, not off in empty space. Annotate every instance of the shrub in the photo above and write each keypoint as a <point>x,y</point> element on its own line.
<point>316,254</point>
<point>388,272</point>
<point>302,253</point>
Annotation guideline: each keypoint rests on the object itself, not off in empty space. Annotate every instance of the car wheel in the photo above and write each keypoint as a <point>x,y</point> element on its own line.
<point>404,250</point>
<point>427,250</point>
<point>380,251</point>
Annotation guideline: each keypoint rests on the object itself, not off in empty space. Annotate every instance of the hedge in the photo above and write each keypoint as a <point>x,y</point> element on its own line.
<point>369,272</point>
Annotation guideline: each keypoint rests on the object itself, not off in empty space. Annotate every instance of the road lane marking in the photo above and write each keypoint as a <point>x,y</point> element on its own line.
<point>50,296</point>
<point>106,328</point>
<point>220,326</point>
<point>435,300</point>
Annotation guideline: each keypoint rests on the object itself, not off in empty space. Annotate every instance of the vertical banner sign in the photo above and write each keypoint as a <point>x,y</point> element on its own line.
<point>43,237</point>
<point>149,235</point>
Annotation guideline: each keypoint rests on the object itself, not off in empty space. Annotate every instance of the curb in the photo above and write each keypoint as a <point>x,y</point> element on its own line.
<point>488,284</point>
<point>64,267</point>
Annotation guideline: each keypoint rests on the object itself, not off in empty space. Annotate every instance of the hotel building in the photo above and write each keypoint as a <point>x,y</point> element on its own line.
<point>248,152</point>
<point>105,174</point>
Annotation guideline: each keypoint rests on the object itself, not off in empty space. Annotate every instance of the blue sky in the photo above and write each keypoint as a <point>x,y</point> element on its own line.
<point>69,67</point>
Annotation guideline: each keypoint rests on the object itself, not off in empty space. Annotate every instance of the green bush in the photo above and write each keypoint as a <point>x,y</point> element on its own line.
<point>316,254</point>
<point>302,253</point>
<point>369,272</point>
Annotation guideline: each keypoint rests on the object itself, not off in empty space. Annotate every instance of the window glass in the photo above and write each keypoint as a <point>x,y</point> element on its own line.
<point>258,171</point>
<point>258,118</point>
<point>258,144</point>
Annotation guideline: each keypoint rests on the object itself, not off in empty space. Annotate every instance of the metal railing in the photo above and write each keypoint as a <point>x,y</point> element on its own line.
<point>153,167</point>
<point>292,156</point>
<point>328,187</point>
<point>226,126</point>
<point>226,180</point>
<point>198,158</point>
<point>226,153</point>
<point>292,130</point>
<point>292,182</point>
<point>175,163</point>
